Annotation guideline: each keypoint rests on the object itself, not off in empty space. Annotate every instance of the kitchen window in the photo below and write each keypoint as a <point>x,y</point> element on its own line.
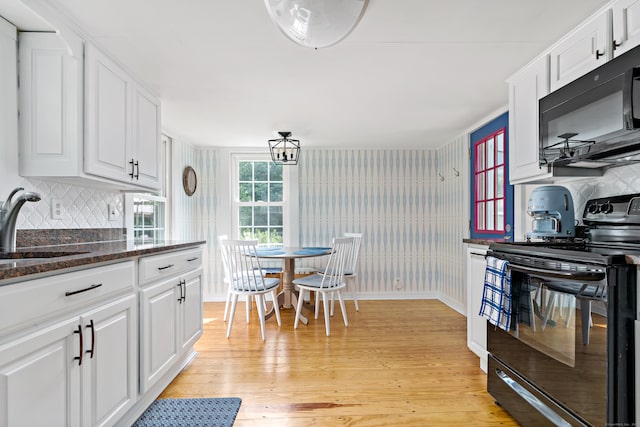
<point>147,221</point>
<point>491,195</point>
<point>259,195</point>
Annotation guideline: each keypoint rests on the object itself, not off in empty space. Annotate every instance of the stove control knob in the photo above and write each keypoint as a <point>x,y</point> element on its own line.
<point>606,208</point>
<point>593,208</point>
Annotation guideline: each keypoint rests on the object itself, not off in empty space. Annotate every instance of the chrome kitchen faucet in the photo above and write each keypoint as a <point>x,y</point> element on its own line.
<point>8,216</point>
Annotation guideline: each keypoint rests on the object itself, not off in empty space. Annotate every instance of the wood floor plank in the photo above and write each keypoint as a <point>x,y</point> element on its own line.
<point>398,363</point>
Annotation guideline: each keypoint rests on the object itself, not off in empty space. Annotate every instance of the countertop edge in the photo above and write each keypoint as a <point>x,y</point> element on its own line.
<point>91,253</point>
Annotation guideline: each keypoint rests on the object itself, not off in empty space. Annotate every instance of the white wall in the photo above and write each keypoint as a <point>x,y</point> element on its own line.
<point>413,222</point>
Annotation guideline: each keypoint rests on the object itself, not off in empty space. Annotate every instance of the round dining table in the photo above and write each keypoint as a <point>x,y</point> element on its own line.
<point>288,297</point>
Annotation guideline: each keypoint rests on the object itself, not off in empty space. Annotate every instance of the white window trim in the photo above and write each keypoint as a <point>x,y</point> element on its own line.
<point>290,206</point>
<point>128,209</point>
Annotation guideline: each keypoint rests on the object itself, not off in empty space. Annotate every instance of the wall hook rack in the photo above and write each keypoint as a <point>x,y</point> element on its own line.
<point>456,172</point>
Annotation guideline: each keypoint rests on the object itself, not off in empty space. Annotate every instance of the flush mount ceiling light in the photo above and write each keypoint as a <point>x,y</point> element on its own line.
<point>314,23</point>
<point>284,150</point>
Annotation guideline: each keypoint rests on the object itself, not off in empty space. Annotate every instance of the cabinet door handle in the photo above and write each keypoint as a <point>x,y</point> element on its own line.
<point>131,162</point>
<point>93,338</point>
<point>599,54</point>
<point>165,267</point>
<point>79,332</point>
<point>193,259</point>
<point>180,297</point>
<point>67,294</point>
<point>616,45</point>
<point>137,165</point>
<point>184,290</point>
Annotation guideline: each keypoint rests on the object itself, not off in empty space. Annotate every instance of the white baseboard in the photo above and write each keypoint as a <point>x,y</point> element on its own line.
<point>455,305</point>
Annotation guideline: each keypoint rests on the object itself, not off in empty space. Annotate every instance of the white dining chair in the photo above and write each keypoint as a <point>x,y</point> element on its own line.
<point>330,281</point>
<point>351,265</point>
<point>247,278</point>
<point>350,268</point>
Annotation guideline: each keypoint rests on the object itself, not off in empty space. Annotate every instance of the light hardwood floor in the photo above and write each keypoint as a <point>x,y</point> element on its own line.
<point>399,363</point>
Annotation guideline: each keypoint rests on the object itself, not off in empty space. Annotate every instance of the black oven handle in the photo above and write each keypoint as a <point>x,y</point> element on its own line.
<point>560,274</point>
<point>532,400</point>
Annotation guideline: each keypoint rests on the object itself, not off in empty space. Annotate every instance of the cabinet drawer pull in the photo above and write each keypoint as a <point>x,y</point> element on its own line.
<point>165,267</point>
<point>93,338</point>
<point>68,294</point>
<point>193,259</point>
<point>79,332</point>
<point>599,54</point>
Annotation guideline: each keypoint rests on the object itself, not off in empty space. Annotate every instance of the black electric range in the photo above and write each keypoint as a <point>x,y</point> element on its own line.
<point>568,357</point>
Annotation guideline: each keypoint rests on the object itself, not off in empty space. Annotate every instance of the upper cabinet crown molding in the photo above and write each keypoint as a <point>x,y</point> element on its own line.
<point>45,13</point>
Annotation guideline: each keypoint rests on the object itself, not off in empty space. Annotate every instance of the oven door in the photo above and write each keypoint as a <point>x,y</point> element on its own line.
<point>558,339</point>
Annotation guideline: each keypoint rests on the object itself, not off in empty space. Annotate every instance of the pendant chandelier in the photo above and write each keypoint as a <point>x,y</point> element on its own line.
<point>284,150</point>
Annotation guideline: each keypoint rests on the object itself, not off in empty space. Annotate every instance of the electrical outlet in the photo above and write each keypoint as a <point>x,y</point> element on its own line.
<point>113,214</point>
<point>57,210</point>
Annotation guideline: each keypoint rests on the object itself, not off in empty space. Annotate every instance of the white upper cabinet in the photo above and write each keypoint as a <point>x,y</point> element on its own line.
<point>50,105</point>
<point>599,39</point>
<point>108,117</point>
<point>122,124</point>
<point>146,138</point>
<point>610,32</point>
<point>586,48</point>
<point>626,25</point>
<point>525,89</point>
<point>85,118</point>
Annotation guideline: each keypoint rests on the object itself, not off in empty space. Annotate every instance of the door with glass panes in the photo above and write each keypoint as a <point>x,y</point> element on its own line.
<point>491,203</point>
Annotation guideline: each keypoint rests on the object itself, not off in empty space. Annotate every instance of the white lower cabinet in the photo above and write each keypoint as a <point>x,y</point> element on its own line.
<point>171,322</point>
<point>78,369</point>
<point>110,362</point>
<point>476,325</point>
<point>39,378</point>
<point>95,347</point>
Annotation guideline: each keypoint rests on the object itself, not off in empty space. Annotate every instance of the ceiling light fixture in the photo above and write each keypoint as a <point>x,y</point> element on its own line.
<point>313,23</point>
<point>284,150</point>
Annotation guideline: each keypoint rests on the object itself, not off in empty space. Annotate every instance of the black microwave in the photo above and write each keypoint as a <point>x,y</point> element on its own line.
<point>594,121</point>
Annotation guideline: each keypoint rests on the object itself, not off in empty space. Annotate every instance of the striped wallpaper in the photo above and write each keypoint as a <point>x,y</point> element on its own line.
<point>412,219</point>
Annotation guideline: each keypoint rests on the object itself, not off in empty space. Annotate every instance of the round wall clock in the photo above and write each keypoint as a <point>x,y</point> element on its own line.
<point>189,180</point>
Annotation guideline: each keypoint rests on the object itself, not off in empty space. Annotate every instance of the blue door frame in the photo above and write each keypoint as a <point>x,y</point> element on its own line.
<point>493,126</point>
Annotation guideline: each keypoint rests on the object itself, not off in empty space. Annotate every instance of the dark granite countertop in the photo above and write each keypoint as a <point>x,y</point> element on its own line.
<point>480,241</point>
<point>38,260</point>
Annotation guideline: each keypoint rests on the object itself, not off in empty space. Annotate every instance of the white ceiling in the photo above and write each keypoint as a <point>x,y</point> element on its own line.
<point>414,73</point>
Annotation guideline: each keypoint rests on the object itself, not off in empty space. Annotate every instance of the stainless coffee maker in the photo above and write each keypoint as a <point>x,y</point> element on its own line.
<point>551,207</point>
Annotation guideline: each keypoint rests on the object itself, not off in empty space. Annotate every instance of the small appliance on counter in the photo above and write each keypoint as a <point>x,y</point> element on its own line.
<point>551,207</point>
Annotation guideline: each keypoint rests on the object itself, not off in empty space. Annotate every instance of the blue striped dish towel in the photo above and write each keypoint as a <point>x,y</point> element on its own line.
<point>496,295</point>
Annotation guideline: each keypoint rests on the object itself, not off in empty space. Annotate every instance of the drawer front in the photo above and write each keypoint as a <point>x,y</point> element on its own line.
<point>157,267</point>
<point>24,304</point>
